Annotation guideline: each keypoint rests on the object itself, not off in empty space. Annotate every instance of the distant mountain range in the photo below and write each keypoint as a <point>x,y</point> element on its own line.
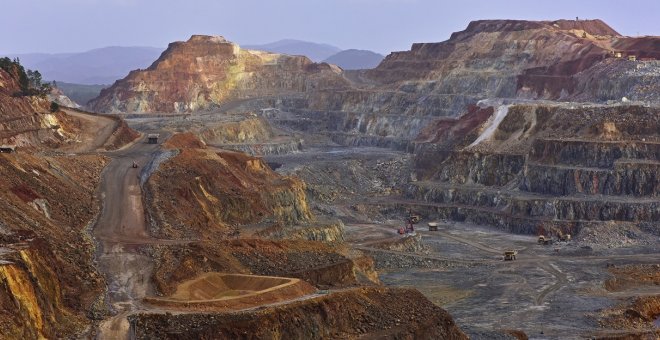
<point>97,66</point>
<point>355,59</point>
<point>103,66</point>
<point>347,59</point>
<point>314,51</point>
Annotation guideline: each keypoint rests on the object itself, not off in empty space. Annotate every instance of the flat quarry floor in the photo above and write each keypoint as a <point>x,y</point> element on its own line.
<point>550,291</point>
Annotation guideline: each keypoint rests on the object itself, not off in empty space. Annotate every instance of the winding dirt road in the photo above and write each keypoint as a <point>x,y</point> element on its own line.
<point>96,130</point>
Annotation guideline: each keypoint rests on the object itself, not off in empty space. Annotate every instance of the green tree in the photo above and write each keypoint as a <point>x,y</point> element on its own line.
<point>54,107</point>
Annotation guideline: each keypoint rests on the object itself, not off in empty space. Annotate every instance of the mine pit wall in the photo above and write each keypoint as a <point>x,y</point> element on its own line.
<point>598,154</point>
<point>517,203</point>
<point>482,168</point>
<point>413,99</point>
<point>30,288</point>
<point>479,216</point>
<point>358,122</point>
<point>265,149</point>
<point>331,233</point>
<point>640,180</point>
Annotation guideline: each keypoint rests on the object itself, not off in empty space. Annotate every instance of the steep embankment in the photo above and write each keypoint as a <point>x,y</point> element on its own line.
<point>48,284</point>
<point>548,168</point>
<point>205,72</point>
<point>224,189</point>
<point>561,60</point>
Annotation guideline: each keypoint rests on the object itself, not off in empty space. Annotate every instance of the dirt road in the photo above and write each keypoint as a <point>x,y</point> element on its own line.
<point>96,131</point>
<point>120,231</point>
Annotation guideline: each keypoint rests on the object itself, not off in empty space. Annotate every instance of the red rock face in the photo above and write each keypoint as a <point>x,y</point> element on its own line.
<point>509,58</point>
<point>206,71</point>
<point>489,59</point>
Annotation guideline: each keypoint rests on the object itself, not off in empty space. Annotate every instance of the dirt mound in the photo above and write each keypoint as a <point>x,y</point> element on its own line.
<point>121,136</point>
<point>204,194</point>
<point>186,140</point>
<point>374,313</point>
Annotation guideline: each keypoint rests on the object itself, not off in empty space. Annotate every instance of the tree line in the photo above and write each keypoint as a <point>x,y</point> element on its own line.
<point>30,81</point>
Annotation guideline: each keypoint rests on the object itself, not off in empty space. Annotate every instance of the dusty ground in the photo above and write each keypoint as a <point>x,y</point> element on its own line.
<point>544,293</point>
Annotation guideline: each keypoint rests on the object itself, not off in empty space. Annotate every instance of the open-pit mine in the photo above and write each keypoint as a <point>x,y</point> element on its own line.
<point>502,184</point>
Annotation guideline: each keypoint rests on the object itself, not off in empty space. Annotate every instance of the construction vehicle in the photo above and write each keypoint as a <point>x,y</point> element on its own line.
<point>510,255</point>
<point>564,237</point>
<point>135,165</point>
<point>433,226</point>
<point>410,223</point>
<point>544,240</point>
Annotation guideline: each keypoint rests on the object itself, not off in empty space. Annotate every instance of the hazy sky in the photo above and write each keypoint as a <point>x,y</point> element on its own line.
<point>379,25</point>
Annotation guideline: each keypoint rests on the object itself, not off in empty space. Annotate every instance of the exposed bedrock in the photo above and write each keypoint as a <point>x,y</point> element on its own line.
<point>591,153</point>
<point>589,210</point>
<point>635,179</point>
<point>486,169</point>
<point>516,203</point>
<point>536,169</point>
<point>328,232</point>
<point>614,79</point>
<point>413,99</point>
<point>208,71</point>
<point>271,148</point>
<point>399,126</point>
<point>494,218</point>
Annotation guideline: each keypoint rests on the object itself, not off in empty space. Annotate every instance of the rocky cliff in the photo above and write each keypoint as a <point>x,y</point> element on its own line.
<point>222,189</point>
<point>551,166</point>
<point>208,71</point>
<point>49,287</point>
<point>27,120</point>
<point>512,60</point>
<point>494,58</point>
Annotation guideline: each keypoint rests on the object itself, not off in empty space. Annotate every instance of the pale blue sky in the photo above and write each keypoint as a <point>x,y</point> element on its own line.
<point>379,25</point>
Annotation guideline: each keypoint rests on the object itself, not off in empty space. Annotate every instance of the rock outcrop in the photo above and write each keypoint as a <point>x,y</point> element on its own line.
<point>512,60</point>
<point>208,71</point>
<point>49,287</point>
<point>549,166</point>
